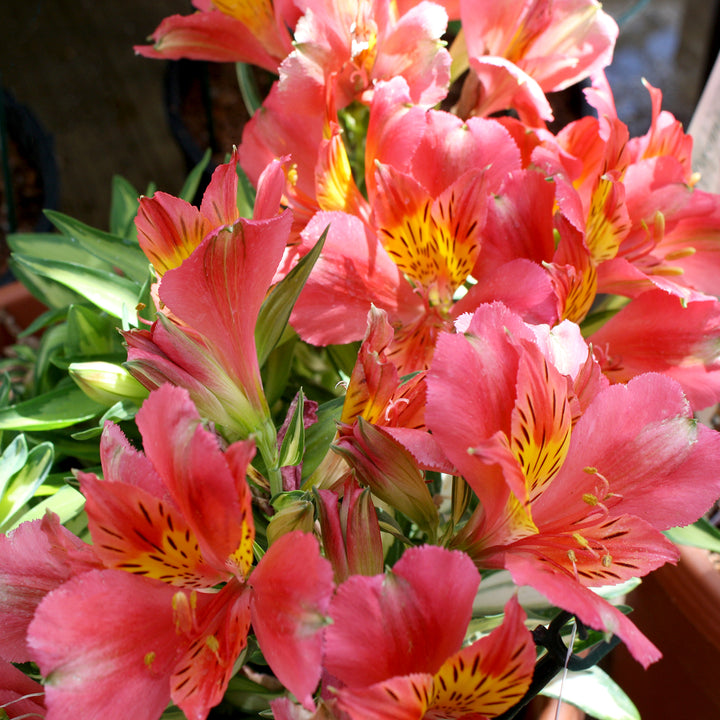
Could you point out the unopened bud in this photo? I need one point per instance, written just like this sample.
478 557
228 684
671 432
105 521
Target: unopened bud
295 515
106 383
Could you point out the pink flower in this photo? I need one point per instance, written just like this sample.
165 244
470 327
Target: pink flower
170 527
521 49
204 338
405 657
430 179
344 49
227 31
567 501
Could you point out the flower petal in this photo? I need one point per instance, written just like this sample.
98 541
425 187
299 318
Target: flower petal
292 585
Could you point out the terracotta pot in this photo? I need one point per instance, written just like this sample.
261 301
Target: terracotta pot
678 608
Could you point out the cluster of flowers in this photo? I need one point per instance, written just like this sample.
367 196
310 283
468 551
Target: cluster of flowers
463 251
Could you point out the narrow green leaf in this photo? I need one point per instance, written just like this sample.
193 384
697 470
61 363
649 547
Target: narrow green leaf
50 352
701 534
112 293
59 408
293 444
192 182
117 251
123 208
4 389
13 458
120 412
47 291
245 194
26 481
276 309
91 334
248 87
67 502
596 693
319 436
55 246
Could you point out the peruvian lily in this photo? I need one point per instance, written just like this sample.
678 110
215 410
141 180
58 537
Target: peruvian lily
227 31
651 237
432 179
350 531
209 300
344 49
172 529
406 658
567 501
377 399
519 50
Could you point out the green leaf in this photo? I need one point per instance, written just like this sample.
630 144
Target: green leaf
52 347
192 182
67 502
117 251
119 412
293 444
319 436
123 209
54 246
47 291
276 309
596 693
701 534
59 408
110 292
91 334
245 193
12 459
20 487
248 87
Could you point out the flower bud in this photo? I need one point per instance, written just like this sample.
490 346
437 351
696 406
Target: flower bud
296 513
107 383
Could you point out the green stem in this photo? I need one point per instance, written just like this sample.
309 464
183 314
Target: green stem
266 442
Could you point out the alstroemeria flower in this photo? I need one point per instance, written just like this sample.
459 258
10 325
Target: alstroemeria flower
227 31
519 50
147 623
433 178
567 503
210 299
348 47
406 658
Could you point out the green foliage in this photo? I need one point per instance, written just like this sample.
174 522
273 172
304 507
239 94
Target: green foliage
22 471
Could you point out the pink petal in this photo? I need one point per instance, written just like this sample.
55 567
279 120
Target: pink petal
91 645
230 274
398 698
203 671
397 624
565 592
169 229
292 585
643 441
214 500
655 333
504 85
35 558
20 696
210 36
353 273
